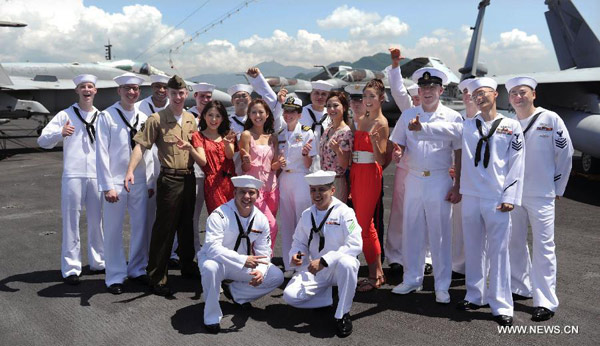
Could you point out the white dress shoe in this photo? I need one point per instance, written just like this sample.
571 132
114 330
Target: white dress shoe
442 297
406 289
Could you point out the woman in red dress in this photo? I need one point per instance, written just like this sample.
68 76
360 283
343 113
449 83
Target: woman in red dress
212 148
368 157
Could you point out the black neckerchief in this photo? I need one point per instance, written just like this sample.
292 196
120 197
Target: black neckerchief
237 121
318 230
486 155
243 234
89 127
151 108
537 115
132 129
315 122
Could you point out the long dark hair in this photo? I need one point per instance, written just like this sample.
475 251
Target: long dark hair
268 127
225 124
343 100
376 84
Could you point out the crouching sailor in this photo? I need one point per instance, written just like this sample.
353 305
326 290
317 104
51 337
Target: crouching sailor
237 247
326 242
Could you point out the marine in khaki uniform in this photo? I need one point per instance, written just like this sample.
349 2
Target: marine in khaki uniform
175 186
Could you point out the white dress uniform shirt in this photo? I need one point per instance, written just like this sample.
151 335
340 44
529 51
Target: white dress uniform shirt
262 87
343 242
483 189
547 168
79 188
398 90
113 146
294 195
219 261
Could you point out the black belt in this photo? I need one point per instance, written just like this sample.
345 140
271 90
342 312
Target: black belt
179 172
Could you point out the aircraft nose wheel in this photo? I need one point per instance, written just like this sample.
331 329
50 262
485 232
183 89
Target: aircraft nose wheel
589 164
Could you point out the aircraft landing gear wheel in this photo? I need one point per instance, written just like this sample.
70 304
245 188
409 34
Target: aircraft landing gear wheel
589 164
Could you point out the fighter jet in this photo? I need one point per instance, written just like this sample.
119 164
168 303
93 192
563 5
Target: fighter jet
574 91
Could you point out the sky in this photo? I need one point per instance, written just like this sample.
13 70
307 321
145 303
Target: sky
301 33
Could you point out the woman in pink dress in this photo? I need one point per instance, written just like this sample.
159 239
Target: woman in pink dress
212 148
261 159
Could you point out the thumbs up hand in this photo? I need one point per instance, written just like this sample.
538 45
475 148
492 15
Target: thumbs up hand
415 125
68 129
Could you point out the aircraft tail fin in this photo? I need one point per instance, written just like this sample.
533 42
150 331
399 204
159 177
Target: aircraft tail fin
4 78
471 69
574 42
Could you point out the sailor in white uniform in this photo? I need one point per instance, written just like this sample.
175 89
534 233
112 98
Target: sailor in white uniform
240 97
491 185
117 125
429 189
150 105
296 144
202 95
76 128
326 243
315 116
547 168
237 248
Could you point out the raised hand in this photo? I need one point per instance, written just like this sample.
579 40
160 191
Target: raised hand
415 124
253 72
244 156
230 137
306 148
374 133
254 261
68 129
282 95
395 55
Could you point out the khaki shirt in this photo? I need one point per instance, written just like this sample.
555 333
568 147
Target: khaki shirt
160 129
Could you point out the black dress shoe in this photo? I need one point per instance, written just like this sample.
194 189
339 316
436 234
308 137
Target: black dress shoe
344 326
72 280
519 297
192 274
457 275
142 279
97 271
465 305
173 263
161 290
396 268
504 320
213 328
541 314
428 269
246 306
115 288
226 291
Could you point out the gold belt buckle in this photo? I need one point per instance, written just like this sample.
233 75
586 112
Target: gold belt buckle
426 173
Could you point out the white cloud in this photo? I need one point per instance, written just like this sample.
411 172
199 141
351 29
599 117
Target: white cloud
344 16
390 26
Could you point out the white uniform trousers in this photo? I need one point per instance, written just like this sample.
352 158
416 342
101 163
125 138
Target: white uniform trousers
117 267
538 279
294 198
213 273
458 243
426 212
393 242
75 194
307 291
481 221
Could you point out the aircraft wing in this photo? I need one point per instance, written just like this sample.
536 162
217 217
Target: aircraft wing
565 76
25 83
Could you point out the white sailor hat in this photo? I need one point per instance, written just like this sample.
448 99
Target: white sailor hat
239 87
246 181
516 81
320 178
413 90
83 78
159 78
354 90
128 78
464 83
429 75
480 83
292 103
321 85
203 87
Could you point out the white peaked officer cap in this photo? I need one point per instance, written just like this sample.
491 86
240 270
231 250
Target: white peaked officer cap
159 78
246 181
321 85
354 89
128 78
85 78
464 84
513 82
480 83
203 87
239 87
320 178
413 90
429 75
